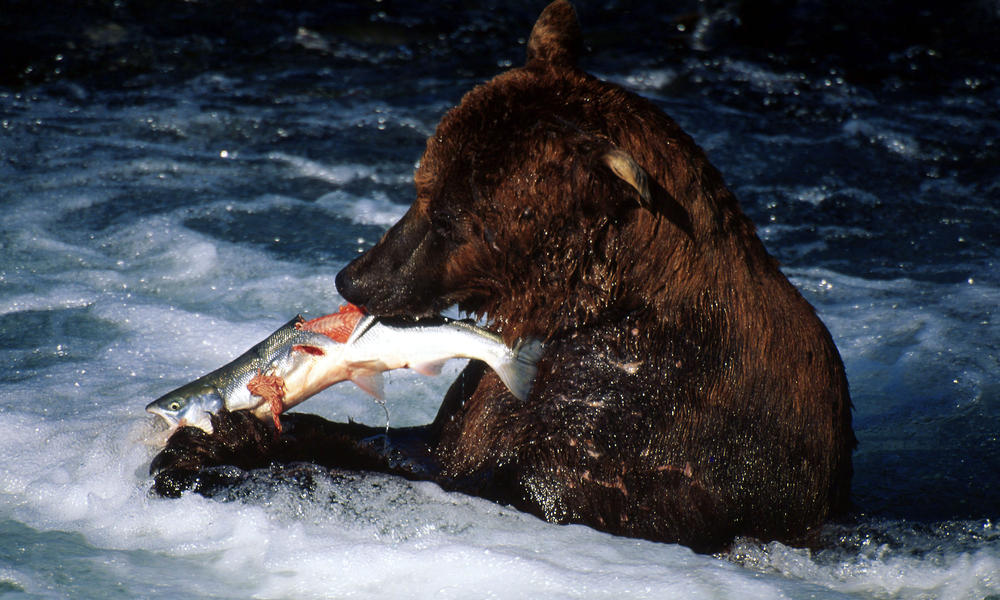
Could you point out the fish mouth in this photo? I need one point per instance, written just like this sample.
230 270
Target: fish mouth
172 423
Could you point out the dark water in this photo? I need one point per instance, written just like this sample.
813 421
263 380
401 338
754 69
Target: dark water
190 174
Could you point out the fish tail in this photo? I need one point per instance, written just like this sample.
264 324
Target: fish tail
518 374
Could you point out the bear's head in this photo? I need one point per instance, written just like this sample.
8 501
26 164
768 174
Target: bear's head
531 199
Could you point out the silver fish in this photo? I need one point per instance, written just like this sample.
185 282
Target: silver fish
315 361
297 362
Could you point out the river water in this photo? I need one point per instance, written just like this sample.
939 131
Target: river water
178 188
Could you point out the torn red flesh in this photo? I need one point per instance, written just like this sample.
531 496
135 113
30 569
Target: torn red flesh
272 389
308 350
337 326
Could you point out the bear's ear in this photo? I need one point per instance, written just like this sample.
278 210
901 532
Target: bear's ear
624 166
555 39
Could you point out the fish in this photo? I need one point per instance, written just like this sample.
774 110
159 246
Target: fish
225 387
302 358
359 347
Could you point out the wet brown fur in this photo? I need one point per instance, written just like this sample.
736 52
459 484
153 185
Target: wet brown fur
687 391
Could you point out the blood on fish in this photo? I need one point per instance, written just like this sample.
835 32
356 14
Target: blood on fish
337 326
272 389
308 350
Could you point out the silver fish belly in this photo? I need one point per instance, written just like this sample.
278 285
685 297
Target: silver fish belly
425 344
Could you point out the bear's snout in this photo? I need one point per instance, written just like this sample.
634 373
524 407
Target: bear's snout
401 274
348 289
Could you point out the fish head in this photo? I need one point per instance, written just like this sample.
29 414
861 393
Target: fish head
189 405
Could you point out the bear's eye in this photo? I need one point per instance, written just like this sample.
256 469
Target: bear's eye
445 224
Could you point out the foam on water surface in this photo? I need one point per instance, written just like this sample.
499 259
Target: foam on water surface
359 536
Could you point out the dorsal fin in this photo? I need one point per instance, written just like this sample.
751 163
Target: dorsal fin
555 39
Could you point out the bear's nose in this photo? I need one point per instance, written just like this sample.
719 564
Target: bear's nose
348 289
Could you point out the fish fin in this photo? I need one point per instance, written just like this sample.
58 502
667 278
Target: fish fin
277 407
203 422
518 374
428 368
370 381
272 389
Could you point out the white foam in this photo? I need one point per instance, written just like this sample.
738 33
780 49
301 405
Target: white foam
375 209
814 195
884 135
645 81
885 573
338 174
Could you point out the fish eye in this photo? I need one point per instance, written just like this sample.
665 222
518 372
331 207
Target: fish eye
175 405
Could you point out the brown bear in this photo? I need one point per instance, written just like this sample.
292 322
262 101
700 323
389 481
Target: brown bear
687 392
